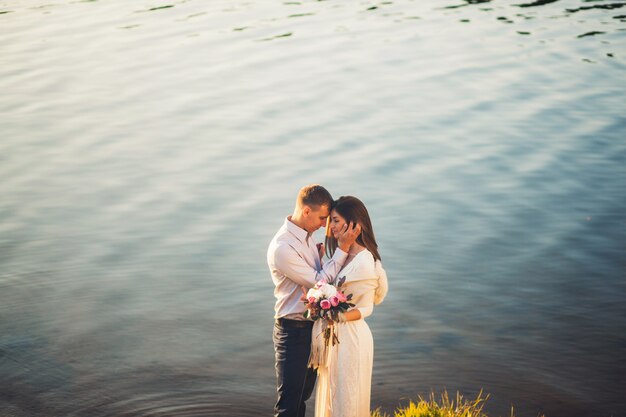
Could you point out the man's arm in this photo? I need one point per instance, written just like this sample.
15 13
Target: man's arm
290 263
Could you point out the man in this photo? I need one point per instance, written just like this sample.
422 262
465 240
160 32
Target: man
295 262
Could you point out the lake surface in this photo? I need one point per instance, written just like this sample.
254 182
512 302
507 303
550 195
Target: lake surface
149 150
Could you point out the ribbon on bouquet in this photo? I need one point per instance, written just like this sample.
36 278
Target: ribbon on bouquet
324 355
322 344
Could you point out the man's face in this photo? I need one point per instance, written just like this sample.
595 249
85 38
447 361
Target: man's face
314 219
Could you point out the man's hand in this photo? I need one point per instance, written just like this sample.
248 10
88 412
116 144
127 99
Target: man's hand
348 235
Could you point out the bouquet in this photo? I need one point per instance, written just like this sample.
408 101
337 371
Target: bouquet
325 301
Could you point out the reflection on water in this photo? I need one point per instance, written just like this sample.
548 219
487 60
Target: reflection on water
150 151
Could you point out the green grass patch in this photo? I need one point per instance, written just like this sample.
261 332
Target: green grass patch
444 407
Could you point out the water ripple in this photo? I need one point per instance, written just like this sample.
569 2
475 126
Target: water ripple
150 152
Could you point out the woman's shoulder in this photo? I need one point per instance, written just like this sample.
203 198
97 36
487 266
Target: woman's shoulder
366 261
367 255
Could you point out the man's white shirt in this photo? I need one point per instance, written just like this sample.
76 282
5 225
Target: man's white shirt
294 262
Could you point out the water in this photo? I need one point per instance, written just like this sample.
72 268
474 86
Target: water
150 150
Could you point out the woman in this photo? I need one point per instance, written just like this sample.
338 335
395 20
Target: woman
344 370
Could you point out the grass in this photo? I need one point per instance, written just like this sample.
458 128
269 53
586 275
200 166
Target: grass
445 407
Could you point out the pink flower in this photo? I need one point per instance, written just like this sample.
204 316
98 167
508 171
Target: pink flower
341 297
325 304
334 301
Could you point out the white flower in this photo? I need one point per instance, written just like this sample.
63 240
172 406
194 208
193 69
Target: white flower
328 290
315 293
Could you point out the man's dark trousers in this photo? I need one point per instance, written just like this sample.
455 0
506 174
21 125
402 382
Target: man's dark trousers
294 380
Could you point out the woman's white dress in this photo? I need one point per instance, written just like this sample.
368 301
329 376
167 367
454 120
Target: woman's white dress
344 374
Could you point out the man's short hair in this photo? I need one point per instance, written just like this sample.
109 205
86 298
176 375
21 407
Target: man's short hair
314 196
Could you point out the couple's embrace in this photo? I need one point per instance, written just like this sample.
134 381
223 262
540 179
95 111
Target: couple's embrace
344 374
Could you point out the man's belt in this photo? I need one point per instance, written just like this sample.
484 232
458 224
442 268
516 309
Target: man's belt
301 324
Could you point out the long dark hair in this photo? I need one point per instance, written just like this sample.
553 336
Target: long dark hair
353 210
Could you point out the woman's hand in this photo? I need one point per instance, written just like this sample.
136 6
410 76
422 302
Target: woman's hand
347 236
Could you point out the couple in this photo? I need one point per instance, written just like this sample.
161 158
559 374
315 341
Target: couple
344 375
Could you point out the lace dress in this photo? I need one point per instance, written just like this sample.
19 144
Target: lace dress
344 372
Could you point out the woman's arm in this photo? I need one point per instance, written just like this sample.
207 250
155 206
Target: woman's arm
365 305
357 313
351 315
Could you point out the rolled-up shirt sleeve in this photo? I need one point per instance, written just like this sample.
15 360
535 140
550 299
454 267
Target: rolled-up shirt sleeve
383 284
366 304
289 263
366 311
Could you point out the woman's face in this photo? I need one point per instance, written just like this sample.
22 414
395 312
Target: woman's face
336 223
